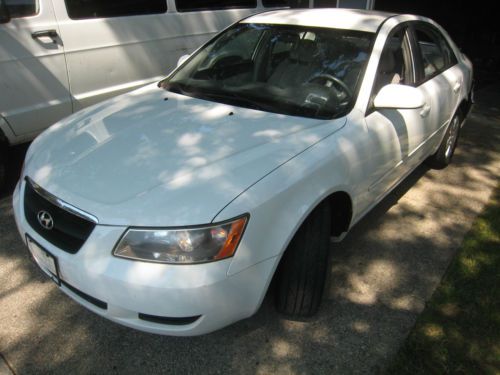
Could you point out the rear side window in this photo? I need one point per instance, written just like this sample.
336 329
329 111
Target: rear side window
436 53
83 9
22 8
192 5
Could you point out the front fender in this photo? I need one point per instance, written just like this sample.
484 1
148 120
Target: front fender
279 203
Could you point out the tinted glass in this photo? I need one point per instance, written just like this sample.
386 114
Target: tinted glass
325 4
21 8
354 4
436 53
81 9
276 3
191 5
392 68
301 71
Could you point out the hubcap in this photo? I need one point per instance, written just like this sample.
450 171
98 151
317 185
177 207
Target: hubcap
452 137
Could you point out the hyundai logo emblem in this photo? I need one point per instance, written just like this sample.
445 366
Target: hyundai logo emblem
45 219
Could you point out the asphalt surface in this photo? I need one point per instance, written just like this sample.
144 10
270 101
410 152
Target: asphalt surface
380 277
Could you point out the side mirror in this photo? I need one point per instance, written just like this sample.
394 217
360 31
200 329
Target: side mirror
399 97
181 59
4 12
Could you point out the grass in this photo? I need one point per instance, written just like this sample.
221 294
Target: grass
459 330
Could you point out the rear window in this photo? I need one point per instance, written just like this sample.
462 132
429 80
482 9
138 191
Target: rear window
192 5
84 9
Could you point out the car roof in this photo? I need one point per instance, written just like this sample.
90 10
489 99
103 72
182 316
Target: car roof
349 19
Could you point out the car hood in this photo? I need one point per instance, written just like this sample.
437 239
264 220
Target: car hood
141 160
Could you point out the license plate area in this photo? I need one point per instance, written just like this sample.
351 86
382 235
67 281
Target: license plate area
44 259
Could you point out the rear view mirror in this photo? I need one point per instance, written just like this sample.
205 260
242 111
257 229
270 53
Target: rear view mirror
181 59
4 12
399 97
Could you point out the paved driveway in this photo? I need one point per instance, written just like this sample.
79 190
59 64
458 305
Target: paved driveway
380 278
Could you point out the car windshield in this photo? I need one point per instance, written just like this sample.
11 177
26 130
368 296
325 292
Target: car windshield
293 70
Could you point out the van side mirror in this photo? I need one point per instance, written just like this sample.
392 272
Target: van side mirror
181 59
4 12
399 97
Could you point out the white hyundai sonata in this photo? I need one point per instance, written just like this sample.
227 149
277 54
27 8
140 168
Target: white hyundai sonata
171 208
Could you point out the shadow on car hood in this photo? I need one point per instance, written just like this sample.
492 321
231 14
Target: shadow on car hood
139 159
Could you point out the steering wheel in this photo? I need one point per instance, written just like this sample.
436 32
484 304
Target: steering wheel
338 82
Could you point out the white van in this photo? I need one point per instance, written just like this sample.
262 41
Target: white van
58 56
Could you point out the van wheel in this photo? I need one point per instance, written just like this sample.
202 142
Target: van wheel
302 270
2 173
446 149
3 155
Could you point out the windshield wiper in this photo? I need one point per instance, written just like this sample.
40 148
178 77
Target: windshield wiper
173 87
230 97
226 97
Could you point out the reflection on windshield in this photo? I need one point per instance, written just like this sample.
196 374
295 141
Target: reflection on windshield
294 70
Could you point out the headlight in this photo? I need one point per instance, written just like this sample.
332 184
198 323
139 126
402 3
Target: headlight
182 245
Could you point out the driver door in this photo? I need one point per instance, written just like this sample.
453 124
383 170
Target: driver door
395 133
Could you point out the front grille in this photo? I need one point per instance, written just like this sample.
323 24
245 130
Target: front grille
69 231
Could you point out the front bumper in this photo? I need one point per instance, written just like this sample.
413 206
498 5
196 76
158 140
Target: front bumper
131 292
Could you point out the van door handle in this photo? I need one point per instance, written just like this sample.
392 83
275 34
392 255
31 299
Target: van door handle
52 34
457 87
425 111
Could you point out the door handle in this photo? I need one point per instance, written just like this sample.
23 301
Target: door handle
52 34
425 110
457 87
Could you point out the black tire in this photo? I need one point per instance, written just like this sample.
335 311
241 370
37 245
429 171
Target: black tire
3 164
446 149
2 173
302 270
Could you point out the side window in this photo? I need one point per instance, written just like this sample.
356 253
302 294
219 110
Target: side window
192 5
394 65
437 55
83 9
22 8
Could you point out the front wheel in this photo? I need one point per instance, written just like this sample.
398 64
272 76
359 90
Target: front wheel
302 271
446 149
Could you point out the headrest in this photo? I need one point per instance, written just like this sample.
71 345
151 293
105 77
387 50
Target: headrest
387 62
305 51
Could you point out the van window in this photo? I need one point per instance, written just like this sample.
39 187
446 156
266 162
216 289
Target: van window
276 3
22 8
191 5
82 9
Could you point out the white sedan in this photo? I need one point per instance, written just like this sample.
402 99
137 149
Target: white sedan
170 209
